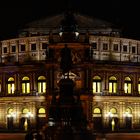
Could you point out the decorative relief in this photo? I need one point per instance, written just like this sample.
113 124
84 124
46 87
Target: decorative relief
76 57
22 41
13 41
5 43
43 39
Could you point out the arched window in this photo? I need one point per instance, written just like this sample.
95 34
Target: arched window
25 85
11 85
112 84
41 110
41 84
25 111
127 85
96 84
11 113
10 110
97 111
113 110
97 118
128 118
139 86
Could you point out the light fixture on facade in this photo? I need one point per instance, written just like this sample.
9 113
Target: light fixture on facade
11 114
29 114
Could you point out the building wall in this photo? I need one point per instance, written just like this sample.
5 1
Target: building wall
104 62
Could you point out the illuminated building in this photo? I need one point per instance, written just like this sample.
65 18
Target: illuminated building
105 70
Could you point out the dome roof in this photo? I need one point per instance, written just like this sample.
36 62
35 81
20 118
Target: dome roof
84 23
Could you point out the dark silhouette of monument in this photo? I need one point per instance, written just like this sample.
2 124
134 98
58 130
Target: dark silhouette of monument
66 120
66 59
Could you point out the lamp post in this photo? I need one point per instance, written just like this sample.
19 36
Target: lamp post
111 116
26 123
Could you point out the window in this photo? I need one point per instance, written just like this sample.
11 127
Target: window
44 46
112 85
105 46
115 47
139 86
11 85
127 85
33 47
113 111
5 50
25 111
94 45
25 85
13 48
10 111
42 110
41 84
124 48
96 85
133 49
22 47
97 111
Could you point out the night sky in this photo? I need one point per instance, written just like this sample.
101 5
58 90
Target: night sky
14 15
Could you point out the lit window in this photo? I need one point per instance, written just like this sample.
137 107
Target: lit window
112 85
11 85
97 111
10 110
113 110
25 110
41 84
25 85
139 86
96 85
127 85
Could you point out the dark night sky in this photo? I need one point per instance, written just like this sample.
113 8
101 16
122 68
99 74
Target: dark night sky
124 13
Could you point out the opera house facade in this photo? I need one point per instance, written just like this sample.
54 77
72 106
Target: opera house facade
106 72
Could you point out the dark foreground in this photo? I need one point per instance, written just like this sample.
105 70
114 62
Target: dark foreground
108 136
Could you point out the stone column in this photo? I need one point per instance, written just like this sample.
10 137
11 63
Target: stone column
121 116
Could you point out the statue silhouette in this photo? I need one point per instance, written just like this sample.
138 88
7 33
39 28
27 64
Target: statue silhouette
66 59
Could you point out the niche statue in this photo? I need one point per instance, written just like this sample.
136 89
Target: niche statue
66 59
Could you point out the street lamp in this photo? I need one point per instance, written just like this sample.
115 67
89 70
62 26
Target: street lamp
111 115
28 115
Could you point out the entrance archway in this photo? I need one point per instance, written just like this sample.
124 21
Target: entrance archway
97 119
10 118
25 123
128 118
